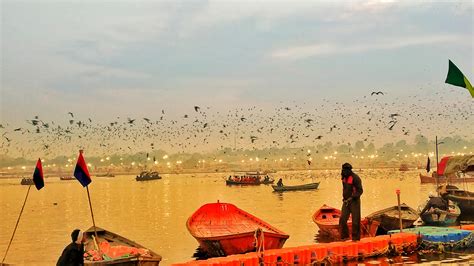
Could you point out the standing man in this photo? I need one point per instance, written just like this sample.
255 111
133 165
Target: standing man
351 191
73 254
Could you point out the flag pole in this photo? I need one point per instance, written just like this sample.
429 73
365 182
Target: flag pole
437 165
92 213
17 222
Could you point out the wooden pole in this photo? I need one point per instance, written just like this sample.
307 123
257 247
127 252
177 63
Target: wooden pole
92 214
437 165
17 222
399 210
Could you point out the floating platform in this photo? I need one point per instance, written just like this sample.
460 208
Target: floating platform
334 252
438 234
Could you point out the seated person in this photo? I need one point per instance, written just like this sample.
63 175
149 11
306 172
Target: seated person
280 182
435 203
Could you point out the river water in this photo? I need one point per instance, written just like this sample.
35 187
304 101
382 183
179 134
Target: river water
154 213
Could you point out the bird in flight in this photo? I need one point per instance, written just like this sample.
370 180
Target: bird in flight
196 108
376 92
72 115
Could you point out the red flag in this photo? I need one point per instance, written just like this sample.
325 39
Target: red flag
38 175
81 173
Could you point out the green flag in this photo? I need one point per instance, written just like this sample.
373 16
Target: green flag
456 77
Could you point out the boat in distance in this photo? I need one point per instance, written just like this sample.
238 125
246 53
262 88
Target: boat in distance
250 178
222 229
116 250
146 176
27 181
309 186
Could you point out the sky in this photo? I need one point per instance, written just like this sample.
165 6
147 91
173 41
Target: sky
108 59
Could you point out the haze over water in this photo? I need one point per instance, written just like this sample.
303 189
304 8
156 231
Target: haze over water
154 213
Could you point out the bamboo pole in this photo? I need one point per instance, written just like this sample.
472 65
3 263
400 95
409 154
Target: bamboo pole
399 210
17 222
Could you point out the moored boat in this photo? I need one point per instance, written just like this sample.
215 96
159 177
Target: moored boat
445 179
116 249
146 176
223 229
389 220
309 186
70 177
452 169
327 219
438 217
464 199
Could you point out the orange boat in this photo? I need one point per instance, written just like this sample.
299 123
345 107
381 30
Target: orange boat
223 229
327 219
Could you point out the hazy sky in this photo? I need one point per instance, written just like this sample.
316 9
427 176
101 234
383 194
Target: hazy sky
104 59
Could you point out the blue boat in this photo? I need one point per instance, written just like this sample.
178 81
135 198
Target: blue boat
437 217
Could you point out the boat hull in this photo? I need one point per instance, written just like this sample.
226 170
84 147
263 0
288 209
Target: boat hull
464 200
295 188
439 217
151 259
443 180
239 244
248 183
327 219
222 229
389 220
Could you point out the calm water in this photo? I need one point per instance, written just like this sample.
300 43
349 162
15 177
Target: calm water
154 213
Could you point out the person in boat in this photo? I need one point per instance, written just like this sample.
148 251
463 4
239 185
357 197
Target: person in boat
280 182
73 254
266 178
351 192
435 203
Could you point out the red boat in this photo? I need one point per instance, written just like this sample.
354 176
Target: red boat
327 219
443 179
448 169
223 229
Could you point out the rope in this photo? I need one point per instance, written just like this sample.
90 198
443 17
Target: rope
259 244
17 222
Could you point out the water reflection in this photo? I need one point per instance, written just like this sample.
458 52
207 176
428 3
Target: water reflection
154 213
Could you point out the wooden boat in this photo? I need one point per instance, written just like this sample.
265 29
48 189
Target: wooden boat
117 250
389 220
437 217
223 229
146 176
464 199
67 177
443 179
105 175
250 178
27 181
294 188
403 167
327 219
452 169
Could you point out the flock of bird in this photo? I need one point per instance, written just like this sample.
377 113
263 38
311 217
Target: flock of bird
374 117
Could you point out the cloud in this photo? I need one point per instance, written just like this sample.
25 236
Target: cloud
328 48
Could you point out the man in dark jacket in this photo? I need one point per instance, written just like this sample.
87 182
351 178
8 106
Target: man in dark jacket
351 192
73 254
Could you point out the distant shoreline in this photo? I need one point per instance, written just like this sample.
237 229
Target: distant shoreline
19 175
